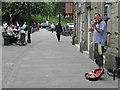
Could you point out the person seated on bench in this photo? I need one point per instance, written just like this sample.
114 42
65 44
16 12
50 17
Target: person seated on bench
5 25
11 34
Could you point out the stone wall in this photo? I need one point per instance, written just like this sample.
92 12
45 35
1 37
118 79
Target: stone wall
113 29
84 30
0 13
114 35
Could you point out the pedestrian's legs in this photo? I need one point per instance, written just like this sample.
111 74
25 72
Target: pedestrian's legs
14 39
58 37
52 30
98 58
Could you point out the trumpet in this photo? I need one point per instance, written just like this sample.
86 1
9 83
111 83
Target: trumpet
97 21
91 26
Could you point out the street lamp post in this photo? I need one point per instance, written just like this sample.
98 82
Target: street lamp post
28 21
59 13
59 18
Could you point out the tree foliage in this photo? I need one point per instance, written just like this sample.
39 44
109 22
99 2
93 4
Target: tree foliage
41 8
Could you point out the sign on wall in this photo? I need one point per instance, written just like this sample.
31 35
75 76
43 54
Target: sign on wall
68 7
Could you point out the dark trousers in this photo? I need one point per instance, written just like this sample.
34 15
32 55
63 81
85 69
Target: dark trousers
58 36
12 39
98 58
52 30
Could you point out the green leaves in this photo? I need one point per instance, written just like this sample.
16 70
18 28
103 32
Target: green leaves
42 8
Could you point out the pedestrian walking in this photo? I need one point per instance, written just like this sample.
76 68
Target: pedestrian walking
99 38
38 25
58 31
52 27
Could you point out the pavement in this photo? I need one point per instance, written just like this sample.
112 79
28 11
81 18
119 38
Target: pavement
47 63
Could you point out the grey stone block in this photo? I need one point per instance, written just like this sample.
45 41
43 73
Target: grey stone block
119 30
109 26
119 18
109 11
113 36
110 62
91 51
116 42
112 45
119 45
116 25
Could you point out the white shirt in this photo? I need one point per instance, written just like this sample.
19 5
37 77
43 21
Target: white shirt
97 38
10 31
52 26
5 25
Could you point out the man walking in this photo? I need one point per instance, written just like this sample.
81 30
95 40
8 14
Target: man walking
52 27
58 31
99 38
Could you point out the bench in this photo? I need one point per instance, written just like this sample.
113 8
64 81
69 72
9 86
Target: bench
7 38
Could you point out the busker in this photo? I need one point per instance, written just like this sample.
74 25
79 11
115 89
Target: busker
99 38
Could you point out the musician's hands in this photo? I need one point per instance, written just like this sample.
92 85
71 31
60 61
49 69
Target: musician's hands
90 28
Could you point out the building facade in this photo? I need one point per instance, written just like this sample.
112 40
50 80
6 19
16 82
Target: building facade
83 16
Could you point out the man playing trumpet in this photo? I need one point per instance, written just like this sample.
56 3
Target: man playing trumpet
99 37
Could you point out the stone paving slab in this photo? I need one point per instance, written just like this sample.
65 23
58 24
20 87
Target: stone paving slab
47 63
